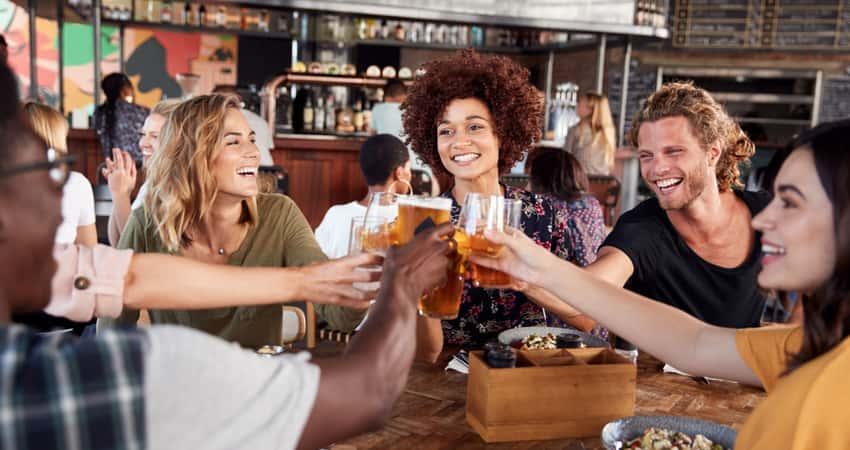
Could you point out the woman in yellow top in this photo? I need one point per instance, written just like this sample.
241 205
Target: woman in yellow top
592 140
806 245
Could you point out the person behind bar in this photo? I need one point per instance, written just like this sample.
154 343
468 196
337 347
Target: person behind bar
385 164
473 116
173 387
592 139
118 120
692 246
120 171
805 246
208 208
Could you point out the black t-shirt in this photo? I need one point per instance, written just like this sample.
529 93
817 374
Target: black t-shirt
667 270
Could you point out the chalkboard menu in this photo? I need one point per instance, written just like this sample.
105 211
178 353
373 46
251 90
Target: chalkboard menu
762 24
642 83
836 99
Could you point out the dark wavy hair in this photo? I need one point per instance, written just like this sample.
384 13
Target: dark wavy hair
559 174
516 105
709 122
112 86
827 310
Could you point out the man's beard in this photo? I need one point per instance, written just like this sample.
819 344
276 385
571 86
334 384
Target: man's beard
693 185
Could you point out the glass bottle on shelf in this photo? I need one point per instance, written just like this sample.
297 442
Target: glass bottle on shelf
186 17
415 33
308 113
149 10
357 120
243 19
330 114
399 33
165 13
202 16
429 33
221 17
284 110
319 114
385 30
263 21
367 117
374 28
362 29
477 36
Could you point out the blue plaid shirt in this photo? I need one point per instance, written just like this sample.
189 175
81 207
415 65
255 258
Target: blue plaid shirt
61 392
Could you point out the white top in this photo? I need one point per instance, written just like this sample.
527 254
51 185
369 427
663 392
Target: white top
386 119
140 197
203 392
77 208
263 136
334 232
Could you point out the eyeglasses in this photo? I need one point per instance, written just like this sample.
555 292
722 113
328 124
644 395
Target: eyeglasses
58 167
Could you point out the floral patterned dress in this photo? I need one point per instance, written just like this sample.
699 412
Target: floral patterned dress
586 232
484 313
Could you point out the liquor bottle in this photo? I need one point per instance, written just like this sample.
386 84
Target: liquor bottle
308 113
429 33
399 33
263 22
319 115
367 118
362 29
284 110
243 19
221 17
385 30
358 116
149 10
165 13
186 18
202 16
330 114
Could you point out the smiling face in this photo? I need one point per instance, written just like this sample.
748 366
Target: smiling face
798 232
673 163
149 136
236 159
466 140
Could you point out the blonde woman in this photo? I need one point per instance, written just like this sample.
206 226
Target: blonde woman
207 208
77 197
120 170
592 140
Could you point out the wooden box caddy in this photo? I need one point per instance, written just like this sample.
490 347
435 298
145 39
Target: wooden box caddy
551 394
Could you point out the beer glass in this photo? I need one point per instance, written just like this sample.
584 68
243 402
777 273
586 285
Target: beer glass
481 213
369 235
416 214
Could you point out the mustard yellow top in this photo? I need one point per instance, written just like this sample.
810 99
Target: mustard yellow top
807 409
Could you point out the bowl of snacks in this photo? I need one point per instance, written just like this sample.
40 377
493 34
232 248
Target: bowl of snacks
666 432
271 350
547 338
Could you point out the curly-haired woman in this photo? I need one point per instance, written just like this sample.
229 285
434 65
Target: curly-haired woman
207 207
473 116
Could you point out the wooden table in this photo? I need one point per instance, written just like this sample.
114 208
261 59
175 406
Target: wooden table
431 413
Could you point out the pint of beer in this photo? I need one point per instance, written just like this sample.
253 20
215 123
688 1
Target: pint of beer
417 214
481 213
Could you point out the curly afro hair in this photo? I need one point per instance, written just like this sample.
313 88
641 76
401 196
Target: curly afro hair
500 83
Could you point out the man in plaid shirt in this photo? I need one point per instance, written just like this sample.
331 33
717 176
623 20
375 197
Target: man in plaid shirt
171 387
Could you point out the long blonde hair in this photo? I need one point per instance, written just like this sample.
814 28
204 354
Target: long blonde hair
600 123
48 124
182 187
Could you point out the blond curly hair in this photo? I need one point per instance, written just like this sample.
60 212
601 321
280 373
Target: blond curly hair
709 122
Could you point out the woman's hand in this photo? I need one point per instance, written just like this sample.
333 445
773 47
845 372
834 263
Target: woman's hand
332 282
120 173
520 257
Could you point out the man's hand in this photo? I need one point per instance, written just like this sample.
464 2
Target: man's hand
419 266
520 257
332 282
120 173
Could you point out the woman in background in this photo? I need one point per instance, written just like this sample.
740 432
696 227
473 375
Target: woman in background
592 140
118 121
78 217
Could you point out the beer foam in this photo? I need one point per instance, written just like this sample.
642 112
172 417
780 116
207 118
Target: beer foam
427 202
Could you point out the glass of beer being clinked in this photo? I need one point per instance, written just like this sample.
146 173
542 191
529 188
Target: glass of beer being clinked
479 214
416 214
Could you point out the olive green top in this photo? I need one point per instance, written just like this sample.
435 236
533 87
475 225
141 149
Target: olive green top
281 238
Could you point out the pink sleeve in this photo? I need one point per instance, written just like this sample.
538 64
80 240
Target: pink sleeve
89 282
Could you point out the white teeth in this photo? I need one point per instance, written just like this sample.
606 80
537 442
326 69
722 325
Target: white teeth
663 184
768 249
246 171
466 157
